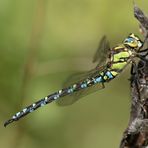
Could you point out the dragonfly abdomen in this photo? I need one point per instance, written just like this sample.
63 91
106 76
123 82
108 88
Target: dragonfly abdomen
100 78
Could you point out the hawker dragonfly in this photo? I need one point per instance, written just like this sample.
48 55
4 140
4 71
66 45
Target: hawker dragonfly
111 63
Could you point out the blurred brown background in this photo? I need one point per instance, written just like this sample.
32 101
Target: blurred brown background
41 43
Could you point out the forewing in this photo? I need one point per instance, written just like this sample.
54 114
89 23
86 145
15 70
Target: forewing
102 52
100 57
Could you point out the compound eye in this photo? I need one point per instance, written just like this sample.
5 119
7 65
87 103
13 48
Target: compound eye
130 40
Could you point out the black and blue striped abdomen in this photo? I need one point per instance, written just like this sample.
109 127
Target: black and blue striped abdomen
99 79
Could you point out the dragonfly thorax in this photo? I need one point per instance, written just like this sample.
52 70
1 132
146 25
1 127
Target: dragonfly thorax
121 55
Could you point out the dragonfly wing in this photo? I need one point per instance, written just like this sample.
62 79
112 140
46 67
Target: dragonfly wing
103 51
71 98
100 57
81 76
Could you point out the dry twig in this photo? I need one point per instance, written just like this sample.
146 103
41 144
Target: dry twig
136 134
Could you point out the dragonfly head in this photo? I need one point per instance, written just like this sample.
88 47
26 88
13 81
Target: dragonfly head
133 42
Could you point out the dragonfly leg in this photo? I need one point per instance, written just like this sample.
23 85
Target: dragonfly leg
135 77
134 71
103 86
133 68
143 55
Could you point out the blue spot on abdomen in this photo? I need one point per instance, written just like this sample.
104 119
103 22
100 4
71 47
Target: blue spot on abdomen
109 74
98 79
83 85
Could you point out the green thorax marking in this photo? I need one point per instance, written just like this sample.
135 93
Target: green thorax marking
120 57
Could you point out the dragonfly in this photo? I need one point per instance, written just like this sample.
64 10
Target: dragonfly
111 62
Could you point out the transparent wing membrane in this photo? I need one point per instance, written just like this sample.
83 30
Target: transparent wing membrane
100 57
103 51
72 98
80 77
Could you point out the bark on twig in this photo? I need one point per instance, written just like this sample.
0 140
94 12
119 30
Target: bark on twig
136 134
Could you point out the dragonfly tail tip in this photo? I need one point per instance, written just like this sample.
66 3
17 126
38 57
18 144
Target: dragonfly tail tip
8 122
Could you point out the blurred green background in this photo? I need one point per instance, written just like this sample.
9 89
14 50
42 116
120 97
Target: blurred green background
42 42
